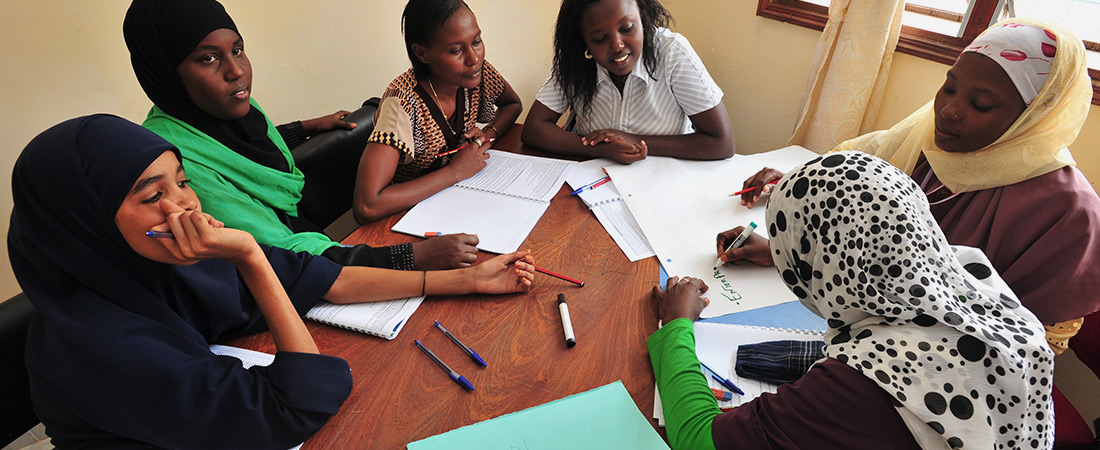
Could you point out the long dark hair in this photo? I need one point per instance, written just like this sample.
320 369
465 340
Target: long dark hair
577 75
420 21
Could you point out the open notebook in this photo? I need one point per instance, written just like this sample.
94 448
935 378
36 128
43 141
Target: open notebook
501 203
716 346
382 319
609 208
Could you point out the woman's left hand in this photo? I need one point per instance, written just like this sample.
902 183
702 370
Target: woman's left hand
503 274
682 297
607 135
328 122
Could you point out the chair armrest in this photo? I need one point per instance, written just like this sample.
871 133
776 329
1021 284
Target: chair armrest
330 161
16 414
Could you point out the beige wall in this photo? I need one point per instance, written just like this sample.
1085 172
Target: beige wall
61 59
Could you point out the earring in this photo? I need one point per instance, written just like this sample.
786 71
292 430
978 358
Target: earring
587 55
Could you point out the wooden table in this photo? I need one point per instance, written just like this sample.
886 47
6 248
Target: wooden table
400 395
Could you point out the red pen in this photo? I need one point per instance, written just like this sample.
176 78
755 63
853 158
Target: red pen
752 188
451 152
558 275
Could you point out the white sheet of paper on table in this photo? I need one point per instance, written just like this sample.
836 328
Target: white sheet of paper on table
682 205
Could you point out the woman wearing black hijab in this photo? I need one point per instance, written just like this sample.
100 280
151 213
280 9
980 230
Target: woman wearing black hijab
190 60
118 352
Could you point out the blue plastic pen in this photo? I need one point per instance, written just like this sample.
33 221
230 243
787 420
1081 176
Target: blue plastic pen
591 185
450 372
160 234
725 382
469 351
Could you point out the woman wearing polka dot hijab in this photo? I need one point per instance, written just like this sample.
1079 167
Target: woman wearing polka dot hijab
991 153
926 347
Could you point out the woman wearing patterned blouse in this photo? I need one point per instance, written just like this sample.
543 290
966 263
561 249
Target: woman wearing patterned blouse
431 110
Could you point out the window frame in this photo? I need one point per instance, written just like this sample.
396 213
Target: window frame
913 41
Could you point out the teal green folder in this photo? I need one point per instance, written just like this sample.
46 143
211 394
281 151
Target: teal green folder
602 418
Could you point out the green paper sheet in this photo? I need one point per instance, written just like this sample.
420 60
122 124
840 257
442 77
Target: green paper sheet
602 418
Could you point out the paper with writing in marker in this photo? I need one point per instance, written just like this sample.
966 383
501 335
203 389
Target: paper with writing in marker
681 207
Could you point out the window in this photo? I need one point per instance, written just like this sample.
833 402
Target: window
938 30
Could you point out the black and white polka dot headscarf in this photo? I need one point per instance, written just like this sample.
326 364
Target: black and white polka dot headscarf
932 324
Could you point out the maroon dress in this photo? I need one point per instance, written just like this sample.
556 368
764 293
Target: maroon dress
1042 235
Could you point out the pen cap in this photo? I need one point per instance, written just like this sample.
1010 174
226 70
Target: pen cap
561 298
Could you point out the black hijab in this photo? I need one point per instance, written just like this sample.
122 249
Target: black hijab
80 274
160 34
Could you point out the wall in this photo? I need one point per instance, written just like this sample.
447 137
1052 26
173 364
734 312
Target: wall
63 59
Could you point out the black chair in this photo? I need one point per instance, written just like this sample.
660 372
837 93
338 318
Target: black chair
330 162
17 416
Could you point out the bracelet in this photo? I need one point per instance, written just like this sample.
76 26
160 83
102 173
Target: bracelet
423 283
495 130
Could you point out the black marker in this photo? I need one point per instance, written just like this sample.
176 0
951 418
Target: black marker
570 341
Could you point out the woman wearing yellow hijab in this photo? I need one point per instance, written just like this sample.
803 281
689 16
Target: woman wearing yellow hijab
991 154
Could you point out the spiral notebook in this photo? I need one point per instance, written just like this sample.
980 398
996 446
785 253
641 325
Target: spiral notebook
382 319
716 346
609 208
501 203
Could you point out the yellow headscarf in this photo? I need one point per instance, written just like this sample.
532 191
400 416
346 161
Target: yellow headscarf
1034 145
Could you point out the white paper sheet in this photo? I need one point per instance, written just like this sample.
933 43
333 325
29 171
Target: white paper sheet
501 203
520 175
501 223
682 205
624 230
608 207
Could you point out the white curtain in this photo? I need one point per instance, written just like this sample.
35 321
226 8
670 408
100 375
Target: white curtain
849 71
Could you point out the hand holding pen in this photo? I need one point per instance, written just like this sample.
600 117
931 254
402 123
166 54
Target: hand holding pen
757 185
754 248
467 160
735 243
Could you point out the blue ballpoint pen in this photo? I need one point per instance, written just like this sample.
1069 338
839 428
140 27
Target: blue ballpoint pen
725 382
160 234
469 351
450 372
591 185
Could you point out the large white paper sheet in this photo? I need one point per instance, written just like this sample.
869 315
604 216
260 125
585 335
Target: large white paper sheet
682 205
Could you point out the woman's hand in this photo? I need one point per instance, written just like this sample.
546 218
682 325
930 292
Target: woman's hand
326 123
197 235
682 297
621 147
756 249
469 160
477 136
607 135
451 251
760 181
503 274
